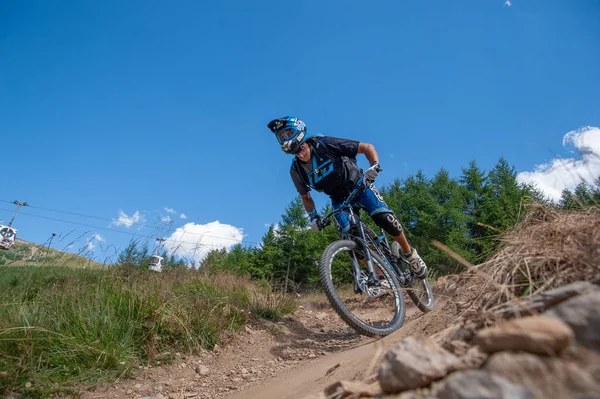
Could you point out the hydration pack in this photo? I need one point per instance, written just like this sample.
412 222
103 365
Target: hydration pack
334 175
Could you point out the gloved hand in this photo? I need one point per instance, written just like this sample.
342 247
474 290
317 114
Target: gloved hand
315 220
372 172
316 224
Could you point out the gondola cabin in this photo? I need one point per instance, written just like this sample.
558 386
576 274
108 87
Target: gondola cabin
156 263
7 237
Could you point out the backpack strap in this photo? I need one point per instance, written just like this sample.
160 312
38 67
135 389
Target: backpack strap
296 162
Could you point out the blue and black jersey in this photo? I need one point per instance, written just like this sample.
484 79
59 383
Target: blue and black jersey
332 167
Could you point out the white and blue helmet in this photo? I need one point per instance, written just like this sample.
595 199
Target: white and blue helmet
290 133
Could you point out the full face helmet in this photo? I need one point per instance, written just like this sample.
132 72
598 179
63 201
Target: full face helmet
290 132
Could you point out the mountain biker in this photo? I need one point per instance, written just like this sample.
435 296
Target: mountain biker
328 164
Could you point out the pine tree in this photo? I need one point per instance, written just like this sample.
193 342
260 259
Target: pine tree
473 182
129 255
451 227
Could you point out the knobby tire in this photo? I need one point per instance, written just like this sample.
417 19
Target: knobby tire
338 305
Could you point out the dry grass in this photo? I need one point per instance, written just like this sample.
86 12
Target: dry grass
550 248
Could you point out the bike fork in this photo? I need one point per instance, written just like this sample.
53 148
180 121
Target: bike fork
373 279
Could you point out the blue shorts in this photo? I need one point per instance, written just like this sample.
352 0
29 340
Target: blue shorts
370 200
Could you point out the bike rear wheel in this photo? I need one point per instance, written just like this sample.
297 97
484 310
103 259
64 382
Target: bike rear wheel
419 290
376 310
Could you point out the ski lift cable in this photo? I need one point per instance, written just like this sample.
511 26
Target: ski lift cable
82 215
112 220
120 231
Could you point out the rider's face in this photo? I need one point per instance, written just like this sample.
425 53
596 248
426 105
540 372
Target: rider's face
304 152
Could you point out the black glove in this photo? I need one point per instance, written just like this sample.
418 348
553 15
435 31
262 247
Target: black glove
315 220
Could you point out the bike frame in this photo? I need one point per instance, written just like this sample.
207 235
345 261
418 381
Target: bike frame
381 244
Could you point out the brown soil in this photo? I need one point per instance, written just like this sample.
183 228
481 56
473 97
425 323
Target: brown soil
292 358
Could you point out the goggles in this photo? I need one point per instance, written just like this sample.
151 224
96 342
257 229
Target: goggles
285 134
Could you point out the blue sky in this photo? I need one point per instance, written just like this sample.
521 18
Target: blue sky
123 108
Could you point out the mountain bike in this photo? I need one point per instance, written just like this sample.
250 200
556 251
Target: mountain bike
363 276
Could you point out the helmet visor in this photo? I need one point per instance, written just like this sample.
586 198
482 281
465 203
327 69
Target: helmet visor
285 134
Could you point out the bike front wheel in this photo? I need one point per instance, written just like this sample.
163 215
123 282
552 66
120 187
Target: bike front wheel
372 309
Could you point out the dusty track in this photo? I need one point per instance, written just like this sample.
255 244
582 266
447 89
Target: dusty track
293 358
358 363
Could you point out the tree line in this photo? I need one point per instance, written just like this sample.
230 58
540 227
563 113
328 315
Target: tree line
465 213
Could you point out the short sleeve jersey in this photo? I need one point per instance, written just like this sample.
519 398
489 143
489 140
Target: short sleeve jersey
326 170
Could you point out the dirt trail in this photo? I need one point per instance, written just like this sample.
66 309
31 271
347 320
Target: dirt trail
301 355
292 358
358 363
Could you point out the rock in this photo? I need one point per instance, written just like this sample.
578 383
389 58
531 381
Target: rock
414 362
534 334
546 377
202 370
474 358
479 384
457 332
353 389
459 348
540 302
582 314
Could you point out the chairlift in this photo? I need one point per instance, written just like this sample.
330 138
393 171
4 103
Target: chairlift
156 260
156 263
7 237
9 233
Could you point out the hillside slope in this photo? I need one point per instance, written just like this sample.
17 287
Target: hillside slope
25 253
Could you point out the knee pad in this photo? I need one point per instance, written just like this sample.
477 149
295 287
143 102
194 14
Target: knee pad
388 222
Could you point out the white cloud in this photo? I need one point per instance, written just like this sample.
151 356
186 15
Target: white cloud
508 3
170 210
193 241
165 219
90 246
126 220
182 216
97 237
553 177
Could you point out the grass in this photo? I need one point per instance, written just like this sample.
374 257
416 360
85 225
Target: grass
25 253
550 248
60 326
